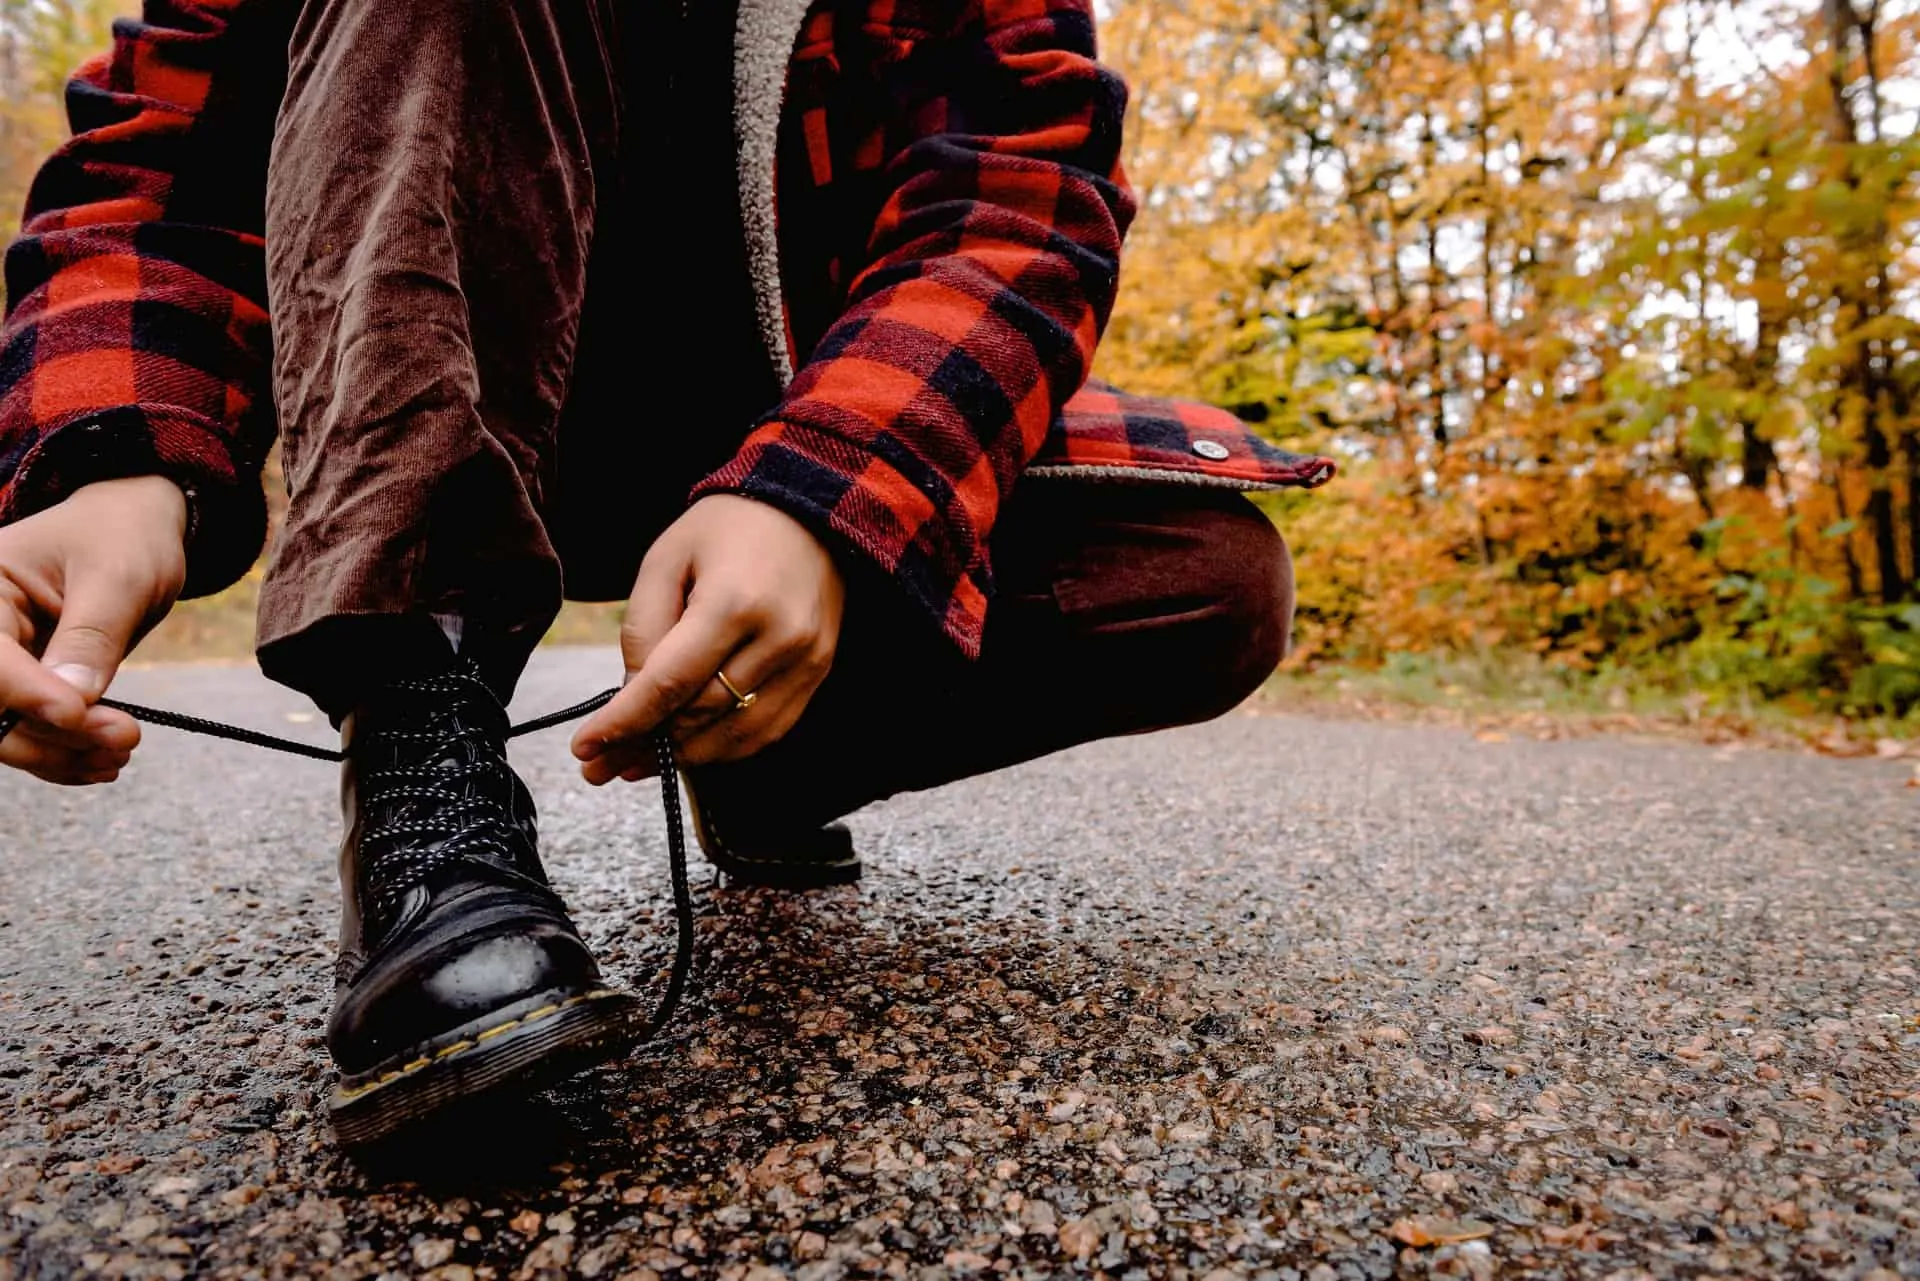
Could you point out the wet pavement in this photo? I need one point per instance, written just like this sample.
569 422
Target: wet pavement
1271 997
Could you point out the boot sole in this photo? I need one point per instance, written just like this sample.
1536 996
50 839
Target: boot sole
518 1050
767 873
779 874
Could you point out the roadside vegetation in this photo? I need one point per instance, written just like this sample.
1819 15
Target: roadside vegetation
1607 308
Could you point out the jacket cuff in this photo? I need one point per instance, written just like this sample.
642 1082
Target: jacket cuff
226 510
854 500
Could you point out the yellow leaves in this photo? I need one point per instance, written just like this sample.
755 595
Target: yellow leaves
1549 308
40 44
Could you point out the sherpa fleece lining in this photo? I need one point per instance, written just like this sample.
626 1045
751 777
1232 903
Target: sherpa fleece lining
765 32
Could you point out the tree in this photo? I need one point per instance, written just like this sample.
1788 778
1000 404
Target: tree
41 43
1605 303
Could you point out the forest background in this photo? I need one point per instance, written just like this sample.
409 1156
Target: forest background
1607 307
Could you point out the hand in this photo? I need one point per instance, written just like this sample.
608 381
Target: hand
734 585
79 583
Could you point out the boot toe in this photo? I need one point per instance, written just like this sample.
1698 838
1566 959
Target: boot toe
404 1005
495 972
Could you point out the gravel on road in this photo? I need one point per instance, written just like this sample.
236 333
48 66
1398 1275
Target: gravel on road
1266 998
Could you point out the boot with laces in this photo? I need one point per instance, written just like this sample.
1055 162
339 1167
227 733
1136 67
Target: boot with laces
773 854
460 973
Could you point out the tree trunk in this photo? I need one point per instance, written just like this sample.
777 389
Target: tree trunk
1910 447
1757 458
1867 368
1856 588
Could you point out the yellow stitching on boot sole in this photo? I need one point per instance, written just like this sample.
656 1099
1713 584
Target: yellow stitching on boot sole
344 1096
528 1017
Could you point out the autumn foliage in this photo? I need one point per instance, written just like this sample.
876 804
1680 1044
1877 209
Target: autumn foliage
1608 306
41 42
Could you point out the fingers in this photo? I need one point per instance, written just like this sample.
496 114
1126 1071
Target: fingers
786 667
740 734
672 675
102 729
657 605
780 666
659 599
99 617
26 685
98 567
634 758
34 748
62 739
728 736
731 582
733 734
751 669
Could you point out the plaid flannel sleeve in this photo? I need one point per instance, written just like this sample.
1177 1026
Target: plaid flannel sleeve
991 272
136 339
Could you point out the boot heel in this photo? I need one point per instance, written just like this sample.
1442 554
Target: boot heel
812 860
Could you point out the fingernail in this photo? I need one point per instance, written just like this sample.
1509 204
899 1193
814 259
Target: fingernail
84 679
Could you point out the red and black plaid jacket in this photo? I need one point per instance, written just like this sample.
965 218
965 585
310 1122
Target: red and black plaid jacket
937 346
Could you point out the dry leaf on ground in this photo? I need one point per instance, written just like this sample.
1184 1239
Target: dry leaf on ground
1427 1229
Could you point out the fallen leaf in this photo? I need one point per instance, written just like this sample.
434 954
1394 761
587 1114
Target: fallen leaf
1079 1237
1426 1229
432 1253
1837 742
554 1252
1490 736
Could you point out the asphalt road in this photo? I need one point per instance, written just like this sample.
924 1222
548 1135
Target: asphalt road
1263 998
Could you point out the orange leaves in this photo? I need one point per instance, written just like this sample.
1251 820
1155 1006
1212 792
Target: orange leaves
1622 357
1426 1230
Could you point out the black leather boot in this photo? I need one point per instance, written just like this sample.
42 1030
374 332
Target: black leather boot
460 973
768 851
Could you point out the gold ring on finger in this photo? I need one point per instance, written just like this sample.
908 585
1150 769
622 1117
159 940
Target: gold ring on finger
741 702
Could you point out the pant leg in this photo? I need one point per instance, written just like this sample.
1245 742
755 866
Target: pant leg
430 210
633 441
1118 610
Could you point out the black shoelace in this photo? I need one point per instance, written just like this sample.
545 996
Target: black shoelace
669 802
445 795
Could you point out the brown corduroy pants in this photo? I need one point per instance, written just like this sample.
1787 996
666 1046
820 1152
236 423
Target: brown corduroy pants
460 320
